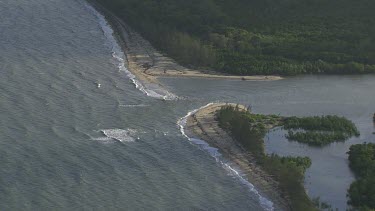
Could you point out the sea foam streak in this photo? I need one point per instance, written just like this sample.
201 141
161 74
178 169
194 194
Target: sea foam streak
214 152
134 106
128 135
152 90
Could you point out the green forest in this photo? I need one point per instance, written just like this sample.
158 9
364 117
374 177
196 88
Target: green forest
252 37
362 162
319 130
249 130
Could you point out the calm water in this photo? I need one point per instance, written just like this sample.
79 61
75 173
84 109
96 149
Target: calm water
351 96
67 142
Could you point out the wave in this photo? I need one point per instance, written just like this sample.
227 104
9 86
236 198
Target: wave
104 140
134 106
164 133
214 152
151 90
127 135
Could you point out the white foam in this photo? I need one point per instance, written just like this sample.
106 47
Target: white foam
134 106
214 152
105 140
127 135
120 57
165 133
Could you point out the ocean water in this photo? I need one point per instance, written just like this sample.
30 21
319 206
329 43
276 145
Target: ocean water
78 131
329 176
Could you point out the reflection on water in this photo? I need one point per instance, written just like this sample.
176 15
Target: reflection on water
351 96
67 142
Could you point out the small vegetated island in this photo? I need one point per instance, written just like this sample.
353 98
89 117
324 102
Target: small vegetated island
319 130
314 131
249 130
362 161
258 37
244 145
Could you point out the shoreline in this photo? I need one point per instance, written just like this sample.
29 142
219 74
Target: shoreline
148 64
201 124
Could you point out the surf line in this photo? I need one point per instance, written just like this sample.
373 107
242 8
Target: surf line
120 58
214 152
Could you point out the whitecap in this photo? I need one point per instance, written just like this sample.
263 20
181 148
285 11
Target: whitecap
122 135
158 132
214 152
98 85
133 106
151 90
105 140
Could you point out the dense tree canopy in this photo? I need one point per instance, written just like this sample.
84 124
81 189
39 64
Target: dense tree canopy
320 130
249 130
362 162
259 36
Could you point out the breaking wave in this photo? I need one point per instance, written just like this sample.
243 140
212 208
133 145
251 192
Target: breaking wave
214 152
134 106
122 135
151 90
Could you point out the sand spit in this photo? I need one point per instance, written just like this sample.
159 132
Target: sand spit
148 64
203 125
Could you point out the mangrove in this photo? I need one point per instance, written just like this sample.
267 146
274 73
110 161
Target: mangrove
249 130
258 37
362 161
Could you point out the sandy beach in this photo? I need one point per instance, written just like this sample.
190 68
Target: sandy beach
203 125
147 64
